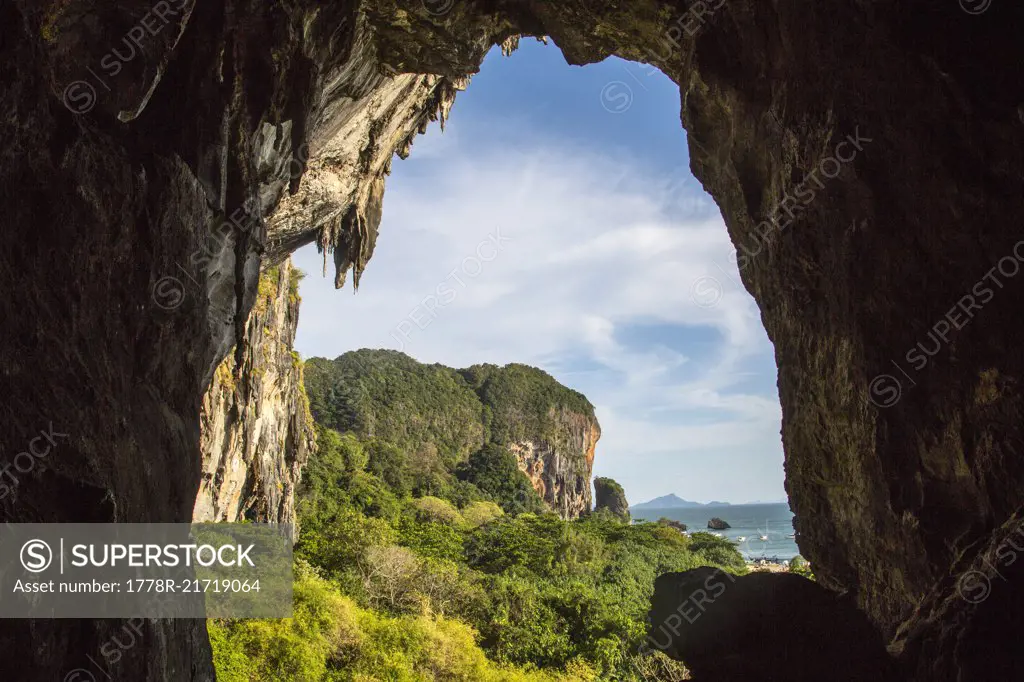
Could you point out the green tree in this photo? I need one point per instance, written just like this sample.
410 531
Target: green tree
337 542
527 541
429 539
390 464
477 514
436 510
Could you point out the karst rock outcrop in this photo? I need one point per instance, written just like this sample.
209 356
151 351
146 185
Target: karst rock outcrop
868 158
559 467
716 523
256 428
609 495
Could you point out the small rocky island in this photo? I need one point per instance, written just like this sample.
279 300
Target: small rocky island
609 495
718 524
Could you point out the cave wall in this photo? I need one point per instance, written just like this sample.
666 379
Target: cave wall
140 205
146 145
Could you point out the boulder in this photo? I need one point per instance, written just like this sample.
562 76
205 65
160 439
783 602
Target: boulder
764 626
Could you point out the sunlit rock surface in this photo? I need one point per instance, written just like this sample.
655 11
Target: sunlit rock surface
257 431
560 469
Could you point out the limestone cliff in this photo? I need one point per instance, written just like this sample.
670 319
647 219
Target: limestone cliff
560 468
550 429
256 427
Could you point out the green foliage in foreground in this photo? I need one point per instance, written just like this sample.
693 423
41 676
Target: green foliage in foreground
398 587
330 638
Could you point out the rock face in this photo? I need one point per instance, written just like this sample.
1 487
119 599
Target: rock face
550 429
774 626
560 469
609 495
256 427
871 177
718 524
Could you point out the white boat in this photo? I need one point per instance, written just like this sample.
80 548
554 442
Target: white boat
764 538
741 538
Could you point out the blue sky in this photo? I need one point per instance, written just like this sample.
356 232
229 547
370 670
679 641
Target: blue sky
555 222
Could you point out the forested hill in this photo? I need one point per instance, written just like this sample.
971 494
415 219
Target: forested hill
435 422
426 555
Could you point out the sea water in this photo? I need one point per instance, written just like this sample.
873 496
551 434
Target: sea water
749 521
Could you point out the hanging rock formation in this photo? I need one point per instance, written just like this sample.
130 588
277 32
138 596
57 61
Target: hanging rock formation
868 159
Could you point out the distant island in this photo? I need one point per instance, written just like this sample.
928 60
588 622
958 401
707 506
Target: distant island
673 501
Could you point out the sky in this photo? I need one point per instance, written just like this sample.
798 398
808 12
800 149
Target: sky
555 223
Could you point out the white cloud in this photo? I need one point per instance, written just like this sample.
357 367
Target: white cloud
590 247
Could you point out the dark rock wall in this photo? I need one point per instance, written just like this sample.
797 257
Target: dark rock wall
871 178
899 472
135 187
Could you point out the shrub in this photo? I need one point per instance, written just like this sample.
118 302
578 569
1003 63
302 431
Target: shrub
477 514
716 551
331 639
800 566
298 648
436 510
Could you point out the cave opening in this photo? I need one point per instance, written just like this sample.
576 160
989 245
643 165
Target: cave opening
555 222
